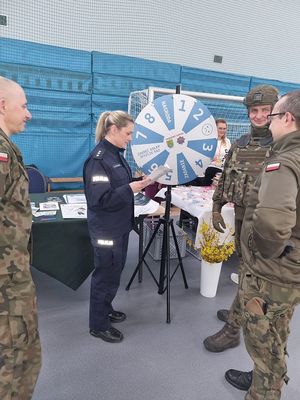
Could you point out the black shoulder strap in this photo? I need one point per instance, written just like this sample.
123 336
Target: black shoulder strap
98 154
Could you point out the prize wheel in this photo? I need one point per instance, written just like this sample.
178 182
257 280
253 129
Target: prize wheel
177 131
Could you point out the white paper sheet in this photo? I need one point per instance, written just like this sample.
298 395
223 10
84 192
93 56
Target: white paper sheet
75 198
49 206
73 210
158 172
43 213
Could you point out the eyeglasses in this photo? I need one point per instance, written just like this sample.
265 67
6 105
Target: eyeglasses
270 116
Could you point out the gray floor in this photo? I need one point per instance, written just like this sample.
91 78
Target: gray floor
156 361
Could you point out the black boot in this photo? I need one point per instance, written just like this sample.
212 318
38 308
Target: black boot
239 379
223 315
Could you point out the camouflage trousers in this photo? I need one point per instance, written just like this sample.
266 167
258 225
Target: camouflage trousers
20 352
235 317
266 313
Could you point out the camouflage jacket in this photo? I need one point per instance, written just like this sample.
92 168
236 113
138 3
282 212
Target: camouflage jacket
242 166
15 210
272 218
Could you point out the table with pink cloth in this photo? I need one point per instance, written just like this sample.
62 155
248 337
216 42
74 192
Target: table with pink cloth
197 200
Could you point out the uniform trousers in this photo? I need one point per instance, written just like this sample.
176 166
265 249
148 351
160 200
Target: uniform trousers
20 351
234 317
109 262
266 313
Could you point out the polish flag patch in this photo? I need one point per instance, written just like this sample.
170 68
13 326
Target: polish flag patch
272 167
3 157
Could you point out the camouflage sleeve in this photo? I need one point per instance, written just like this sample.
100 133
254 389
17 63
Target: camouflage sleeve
275 214
218 196
4 170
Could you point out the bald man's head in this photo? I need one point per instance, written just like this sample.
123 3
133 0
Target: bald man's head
13 107
7 87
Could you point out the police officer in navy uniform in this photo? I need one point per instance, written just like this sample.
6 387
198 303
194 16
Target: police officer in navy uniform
109 190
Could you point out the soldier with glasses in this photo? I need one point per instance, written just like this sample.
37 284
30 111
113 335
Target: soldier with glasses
243 164
269 286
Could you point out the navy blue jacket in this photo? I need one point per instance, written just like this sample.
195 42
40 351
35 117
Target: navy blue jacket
110 199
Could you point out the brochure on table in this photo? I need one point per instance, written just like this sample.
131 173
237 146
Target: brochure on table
75 198
73 210
75 206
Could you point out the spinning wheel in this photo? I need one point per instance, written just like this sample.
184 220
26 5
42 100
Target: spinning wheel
177 131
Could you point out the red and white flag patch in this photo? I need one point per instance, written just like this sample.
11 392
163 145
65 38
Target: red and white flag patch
3 157
272 167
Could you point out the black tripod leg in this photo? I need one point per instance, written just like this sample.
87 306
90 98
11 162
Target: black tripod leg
168 273
179 255
141 248
164 249
165 267
141 260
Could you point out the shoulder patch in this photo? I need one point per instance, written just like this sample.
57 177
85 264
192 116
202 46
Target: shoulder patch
3 157
272 167
99 154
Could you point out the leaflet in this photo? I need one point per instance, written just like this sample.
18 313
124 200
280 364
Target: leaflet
49 206
75 198
158 172
73 210
43 213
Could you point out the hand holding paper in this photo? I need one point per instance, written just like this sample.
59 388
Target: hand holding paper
158 172
137 186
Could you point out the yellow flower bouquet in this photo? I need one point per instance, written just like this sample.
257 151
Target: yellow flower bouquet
212 249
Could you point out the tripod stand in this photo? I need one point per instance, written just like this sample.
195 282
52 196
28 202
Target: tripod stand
165 272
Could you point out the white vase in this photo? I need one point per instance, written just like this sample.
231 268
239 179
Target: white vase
210 274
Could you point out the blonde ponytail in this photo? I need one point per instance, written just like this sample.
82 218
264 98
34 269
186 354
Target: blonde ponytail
100 128
109 118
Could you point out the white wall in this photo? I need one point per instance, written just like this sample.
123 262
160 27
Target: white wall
255 37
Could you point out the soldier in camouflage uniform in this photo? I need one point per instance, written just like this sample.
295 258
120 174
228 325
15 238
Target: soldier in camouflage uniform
20 353
242 166
270 242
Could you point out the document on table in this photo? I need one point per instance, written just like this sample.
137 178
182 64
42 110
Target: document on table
49 206
37 213
73 210
75 198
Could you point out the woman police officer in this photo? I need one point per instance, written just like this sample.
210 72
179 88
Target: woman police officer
109 190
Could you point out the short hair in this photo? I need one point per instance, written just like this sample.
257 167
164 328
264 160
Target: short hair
6 86
291 104
221 120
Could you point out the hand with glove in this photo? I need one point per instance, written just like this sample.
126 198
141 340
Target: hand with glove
217 219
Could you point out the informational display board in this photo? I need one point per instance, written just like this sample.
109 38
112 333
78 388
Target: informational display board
177 131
